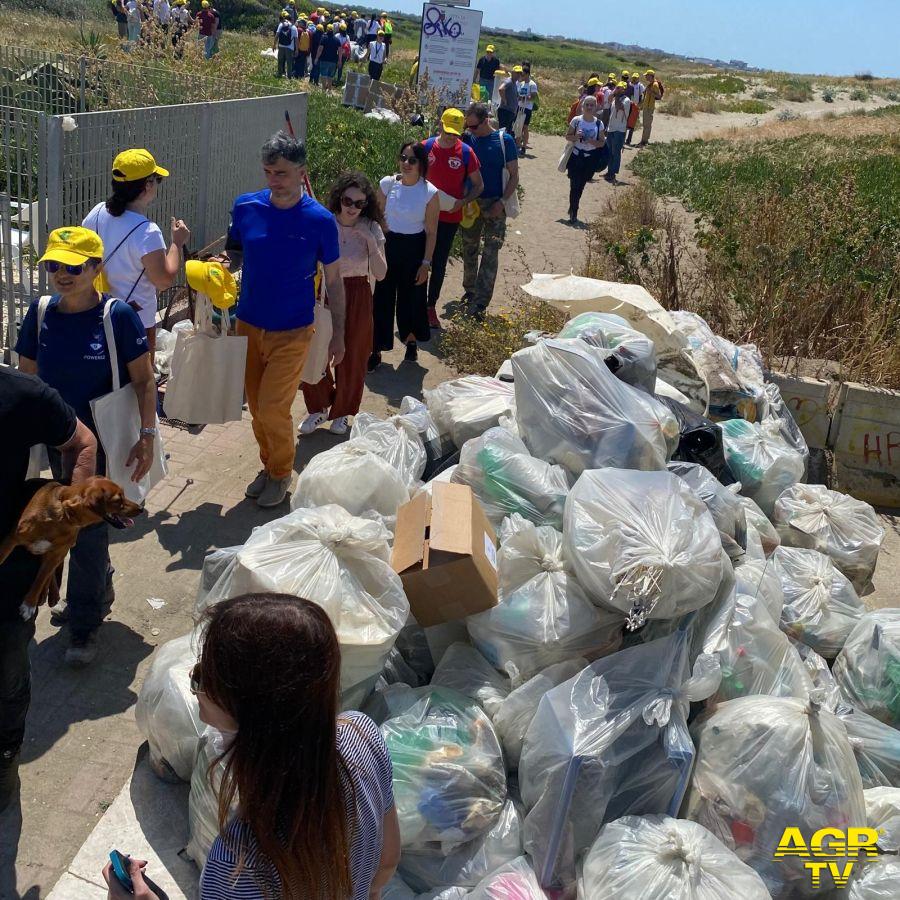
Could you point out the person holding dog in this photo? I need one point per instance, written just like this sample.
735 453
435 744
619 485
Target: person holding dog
63 342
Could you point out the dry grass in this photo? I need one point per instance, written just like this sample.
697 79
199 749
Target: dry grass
852 125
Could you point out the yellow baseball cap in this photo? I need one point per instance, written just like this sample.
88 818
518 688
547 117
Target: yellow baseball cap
379 32
130 165
205 4
612 76
649 72
517 69
622 84
214 280
490 47
330 27
343 27
593 82
285 14
320 27
453 121
73 245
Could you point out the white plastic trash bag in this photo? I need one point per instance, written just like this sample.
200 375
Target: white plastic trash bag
768 763
449 778
821 677
514 881
820 606
214 565
867 669
574 412
462 668
466 407
507 479
400 447
883 814
415 418
844 528
761 460
757 577
661 858
203 801
776 410
876 879
757 519
167 712
642 543
609 742
875 745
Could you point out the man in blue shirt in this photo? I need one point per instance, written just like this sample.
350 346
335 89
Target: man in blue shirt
497 153
280 236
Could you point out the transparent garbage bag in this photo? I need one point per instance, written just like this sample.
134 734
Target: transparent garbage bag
351 476
875 879
572 411
466 407
609 742
397 889
699 441
203 801
214 564
468 864
768 763
631 357
723 504
875 745
867 669
415 418
757 577
842 527
512 718
507 479
167 713
760 521
543 615
820 606
339 562
661 858
761 460
775 409
513 881
883 814
821 677
397 671
465 670
642 543
412 644
449 777
400 447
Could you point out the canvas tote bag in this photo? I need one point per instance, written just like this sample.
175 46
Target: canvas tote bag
512 204
317 355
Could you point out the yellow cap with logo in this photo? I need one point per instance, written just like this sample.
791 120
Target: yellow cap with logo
72 245
130 165
453 121
214 280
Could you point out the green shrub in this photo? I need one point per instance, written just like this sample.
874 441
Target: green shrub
787 115
859 95
893 96
762 93
754 107
794 88
864 76
828 95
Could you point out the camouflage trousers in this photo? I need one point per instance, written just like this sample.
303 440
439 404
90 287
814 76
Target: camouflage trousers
481 251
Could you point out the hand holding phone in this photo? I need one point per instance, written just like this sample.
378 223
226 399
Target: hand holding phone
125 878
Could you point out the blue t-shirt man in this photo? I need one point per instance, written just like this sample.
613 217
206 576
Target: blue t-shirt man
72 354
281 248
490 151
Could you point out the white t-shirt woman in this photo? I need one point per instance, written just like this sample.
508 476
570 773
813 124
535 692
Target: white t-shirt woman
585 132
404 208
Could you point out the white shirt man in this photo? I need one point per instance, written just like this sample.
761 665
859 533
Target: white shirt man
162 11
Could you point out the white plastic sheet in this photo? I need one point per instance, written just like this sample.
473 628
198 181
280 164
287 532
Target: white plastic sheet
661 858
768 763
513 881
400 447
463 669
642 543
466 407
844 528
507 479
574 412
543 616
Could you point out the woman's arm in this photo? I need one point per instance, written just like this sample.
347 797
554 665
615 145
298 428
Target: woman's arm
377 258
140 371
390 853
162 265
432 211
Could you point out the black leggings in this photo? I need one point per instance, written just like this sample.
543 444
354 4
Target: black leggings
580 168
446 231
398 294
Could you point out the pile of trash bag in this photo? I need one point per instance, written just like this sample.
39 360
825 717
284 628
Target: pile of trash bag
414 417
883 814
642 543
840 526
662 858
400 447
465 408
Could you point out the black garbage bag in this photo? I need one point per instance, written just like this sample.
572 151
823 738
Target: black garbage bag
700 441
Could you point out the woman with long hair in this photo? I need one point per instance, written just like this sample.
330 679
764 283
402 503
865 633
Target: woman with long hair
411 210
137 263
312 788
337 396
586 135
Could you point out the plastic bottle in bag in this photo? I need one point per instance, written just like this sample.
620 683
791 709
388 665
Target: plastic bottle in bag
513 881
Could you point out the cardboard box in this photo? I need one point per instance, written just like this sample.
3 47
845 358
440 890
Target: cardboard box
445 553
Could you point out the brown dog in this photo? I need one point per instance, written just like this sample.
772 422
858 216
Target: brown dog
49 526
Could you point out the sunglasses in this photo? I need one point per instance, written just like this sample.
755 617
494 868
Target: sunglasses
53 267
348 202
155 178
410 160
195 684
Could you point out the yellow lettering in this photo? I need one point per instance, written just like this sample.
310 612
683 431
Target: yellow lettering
792 843
862 839
835 848
840 877
815 869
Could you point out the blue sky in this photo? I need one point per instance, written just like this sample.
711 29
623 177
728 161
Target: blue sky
836 37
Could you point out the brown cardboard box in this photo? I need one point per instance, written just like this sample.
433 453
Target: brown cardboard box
445 554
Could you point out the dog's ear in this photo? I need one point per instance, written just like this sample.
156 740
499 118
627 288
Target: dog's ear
72 507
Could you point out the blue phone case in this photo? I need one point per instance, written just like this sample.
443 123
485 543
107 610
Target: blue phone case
119 864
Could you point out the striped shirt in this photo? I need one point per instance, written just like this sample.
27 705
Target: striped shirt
368 795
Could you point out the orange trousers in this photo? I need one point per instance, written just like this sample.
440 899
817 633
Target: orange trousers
274 363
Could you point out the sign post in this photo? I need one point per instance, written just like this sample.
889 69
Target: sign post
448 50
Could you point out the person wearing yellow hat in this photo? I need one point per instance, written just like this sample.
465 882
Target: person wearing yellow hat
209 22
344 53
317 35
528 97
304 42
485 69
635 93
377 56
619 111
327 56
284 43
653 91
291 10
509 99
387 26
181 16
137 263
72 340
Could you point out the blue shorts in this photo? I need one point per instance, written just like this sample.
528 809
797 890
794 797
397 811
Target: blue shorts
327 69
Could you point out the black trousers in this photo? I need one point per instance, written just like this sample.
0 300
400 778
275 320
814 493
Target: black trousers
375 70
15 682
580 167
300 64
506 118
397 294
446 231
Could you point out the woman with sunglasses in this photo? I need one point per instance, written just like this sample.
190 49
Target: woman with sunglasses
337 396
411 211
137 263
312 788
63 341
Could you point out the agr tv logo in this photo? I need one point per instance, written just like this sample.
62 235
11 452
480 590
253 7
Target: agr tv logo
830 850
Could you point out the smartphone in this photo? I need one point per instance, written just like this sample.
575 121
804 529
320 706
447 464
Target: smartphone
120 868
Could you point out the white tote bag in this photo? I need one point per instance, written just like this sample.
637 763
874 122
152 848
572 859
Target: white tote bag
564 157
117 418
317 354
512 203
206 385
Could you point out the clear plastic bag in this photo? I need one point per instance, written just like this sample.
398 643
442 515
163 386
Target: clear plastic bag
723 504
867 669
883 814
466 407
757 577
167 713
543 616
574 412
339 562
203 801
820 606
757 519
612 741
875 745
415 418
513 881
642 543
768 763
821 677
449 778
468 864
761 460
776 410
842 527
507 479
465 670
399 447
876 879
661 858
631 357
214 564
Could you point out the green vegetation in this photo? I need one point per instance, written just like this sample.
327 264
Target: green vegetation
712 84
859 95
794 88
753 107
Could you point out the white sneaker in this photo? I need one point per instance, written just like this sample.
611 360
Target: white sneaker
312 422
339 425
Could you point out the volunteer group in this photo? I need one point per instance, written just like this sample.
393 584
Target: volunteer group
137 19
